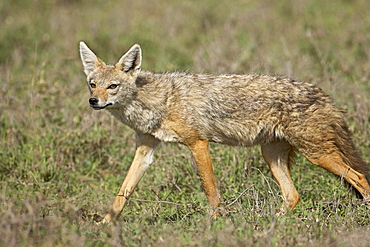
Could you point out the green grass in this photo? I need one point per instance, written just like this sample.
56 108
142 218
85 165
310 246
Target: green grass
61 161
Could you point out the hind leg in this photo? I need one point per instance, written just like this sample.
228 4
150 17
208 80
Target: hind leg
277 156
334 163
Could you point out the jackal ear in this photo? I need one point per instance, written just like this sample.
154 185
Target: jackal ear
131 61
89 60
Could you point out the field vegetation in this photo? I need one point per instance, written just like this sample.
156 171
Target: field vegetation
61 162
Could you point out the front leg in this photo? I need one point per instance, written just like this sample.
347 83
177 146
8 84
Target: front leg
200 151
145 145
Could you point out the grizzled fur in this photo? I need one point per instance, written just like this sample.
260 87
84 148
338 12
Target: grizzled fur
280 114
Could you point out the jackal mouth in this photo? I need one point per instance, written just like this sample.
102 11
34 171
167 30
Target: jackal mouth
97 107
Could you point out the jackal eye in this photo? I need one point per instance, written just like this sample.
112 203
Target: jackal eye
92 85
112 86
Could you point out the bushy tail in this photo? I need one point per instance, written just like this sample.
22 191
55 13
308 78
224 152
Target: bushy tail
348 151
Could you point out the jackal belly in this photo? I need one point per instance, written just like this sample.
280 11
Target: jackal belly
246 133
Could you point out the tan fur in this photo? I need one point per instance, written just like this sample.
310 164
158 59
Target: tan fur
280 114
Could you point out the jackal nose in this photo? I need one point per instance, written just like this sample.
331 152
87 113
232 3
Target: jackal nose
93 101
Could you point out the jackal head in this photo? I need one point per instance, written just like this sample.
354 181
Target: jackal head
110 85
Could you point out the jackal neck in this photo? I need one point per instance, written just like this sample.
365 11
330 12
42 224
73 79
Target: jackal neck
145 109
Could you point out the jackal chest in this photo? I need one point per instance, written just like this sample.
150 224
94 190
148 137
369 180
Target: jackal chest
167 135
149 123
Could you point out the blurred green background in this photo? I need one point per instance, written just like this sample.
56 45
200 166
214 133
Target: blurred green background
60 161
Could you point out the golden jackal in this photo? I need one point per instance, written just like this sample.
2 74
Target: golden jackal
280 114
